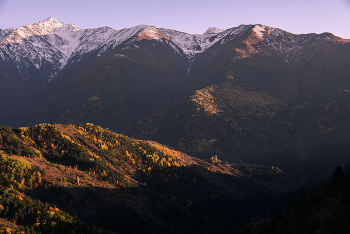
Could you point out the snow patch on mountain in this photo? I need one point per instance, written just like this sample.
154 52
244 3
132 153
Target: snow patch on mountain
120 55
292 47
152 33
262 30
42 28
51 45
193 44
259 31
115 38
5 33
53 42
213 30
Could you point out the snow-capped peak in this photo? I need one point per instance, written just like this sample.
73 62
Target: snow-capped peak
51 22
150 33
42 28
262 30
213 30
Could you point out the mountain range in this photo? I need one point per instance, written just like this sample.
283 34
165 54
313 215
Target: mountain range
251 94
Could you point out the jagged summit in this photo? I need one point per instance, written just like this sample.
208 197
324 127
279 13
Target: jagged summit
53 22
213 30
53 42
150 33
262 30
5 33
44 27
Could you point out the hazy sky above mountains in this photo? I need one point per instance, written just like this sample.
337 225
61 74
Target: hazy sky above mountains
191 16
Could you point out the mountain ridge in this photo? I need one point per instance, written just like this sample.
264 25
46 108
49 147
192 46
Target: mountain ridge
196 43
44 27
249 92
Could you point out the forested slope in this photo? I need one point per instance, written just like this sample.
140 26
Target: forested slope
112 182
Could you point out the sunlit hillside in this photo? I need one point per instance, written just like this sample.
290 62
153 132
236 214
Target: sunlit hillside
89 179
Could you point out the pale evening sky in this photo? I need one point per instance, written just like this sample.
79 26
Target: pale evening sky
191 16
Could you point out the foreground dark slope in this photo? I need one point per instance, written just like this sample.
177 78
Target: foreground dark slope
326 210
127 185
265 102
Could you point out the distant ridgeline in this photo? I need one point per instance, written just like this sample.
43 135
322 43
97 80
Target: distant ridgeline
85 179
